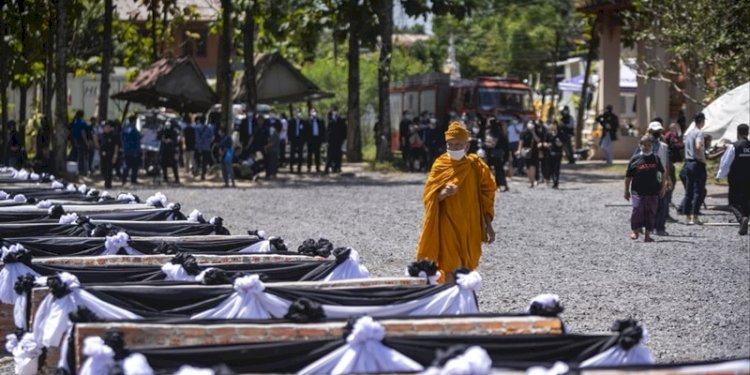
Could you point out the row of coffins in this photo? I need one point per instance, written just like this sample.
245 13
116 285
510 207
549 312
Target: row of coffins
99 284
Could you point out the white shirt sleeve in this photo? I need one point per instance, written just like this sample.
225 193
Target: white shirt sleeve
726 162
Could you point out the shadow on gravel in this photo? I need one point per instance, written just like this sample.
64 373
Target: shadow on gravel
574 176
292 183
675 241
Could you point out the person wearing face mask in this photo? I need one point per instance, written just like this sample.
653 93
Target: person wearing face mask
643 189
336 138
459 206
528 150
315 134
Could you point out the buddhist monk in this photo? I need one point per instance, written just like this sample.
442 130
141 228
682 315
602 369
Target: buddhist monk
459 201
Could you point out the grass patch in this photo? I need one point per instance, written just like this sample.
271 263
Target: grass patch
396 164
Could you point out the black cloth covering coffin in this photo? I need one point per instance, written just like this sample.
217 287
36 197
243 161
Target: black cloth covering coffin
76 246
511 351
84 229
292 271
149 299
156 214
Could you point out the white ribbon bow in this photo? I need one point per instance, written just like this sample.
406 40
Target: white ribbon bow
157 199
113 244
25 353
101 358
70 218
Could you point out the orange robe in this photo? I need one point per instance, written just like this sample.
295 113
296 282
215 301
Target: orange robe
452 229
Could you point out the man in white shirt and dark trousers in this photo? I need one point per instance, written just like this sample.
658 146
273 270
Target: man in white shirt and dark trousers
695 171
736 164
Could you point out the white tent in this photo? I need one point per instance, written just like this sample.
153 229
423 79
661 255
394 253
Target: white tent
725 113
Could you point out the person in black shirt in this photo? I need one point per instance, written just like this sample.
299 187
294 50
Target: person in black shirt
496 143
168 148
642 178
555 141
109 148
528 150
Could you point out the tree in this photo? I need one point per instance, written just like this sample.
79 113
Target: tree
3 81
106 61
706 39
385 19
61 94
248 44
225 76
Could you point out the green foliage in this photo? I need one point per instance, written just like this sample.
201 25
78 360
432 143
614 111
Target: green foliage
506 38
708 37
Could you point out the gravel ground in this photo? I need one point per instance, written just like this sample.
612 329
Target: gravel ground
691 289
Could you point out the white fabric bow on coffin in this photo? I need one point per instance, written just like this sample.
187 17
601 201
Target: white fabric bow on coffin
21 175
618 356
25 353
363 352
474 361
113 244
10 273
34 176
190 370
126 197
3 195
456 300
263 246
44 204
157 200
100 357
249 301
51 320
136 364
70 218
71 187
19 198
175 272
559 368
57 185
83 189
195 216
349 269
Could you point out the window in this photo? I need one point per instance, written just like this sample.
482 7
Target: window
198 40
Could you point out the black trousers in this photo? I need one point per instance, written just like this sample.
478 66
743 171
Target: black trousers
497 164
554 161
695 187
132 164
567 140
334 156
739 198
106 168
202 159
296 155
313 151
167 162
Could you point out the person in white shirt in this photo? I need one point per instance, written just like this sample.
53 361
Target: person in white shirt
514 136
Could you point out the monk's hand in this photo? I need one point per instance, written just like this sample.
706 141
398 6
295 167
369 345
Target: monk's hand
448 190
490 238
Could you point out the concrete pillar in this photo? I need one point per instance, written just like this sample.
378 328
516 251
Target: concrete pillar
660 93
643 92
609 65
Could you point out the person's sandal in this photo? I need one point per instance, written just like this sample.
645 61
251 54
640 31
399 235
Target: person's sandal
634 235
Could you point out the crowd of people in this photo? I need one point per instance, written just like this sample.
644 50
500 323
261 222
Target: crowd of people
651 177
506 143
259 144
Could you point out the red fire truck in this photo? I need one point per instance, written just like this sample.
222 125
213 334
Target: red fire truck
438 94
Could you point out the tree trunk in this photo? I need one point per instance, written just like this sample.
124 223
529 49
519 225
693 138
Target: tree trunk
22 103
3 84
248 43
354 137
106 61
61 92
585 85
225 52
385 17
154 37
49 64
553 80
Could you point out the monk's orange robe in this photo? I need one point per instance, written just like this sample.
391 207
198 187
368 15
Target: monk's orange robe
452 229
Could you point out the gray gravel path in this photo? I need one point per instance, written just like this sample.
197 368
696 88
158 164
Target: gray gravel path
691 289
